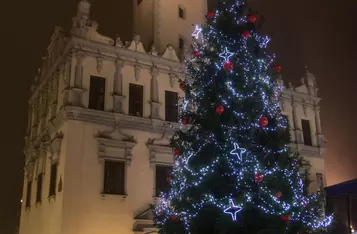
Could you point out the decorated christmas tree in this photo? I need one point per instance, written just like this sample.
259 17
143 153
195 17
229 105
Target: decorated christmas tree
233 171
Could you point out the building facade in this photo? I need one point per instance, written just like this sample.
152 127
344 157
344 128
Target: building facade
100 117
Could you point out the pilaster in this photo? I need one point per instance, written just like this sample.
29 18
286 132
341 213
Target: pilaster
298 131
118 98
76 92
54 94
154 102
319 136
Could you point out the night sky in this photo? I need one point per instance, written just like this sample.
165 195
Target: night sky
318 33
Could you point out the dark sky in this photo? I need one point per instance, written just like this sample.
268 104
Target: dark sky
318 33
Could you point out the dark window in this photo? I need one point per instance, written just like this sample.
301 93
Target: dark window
162 179
39 188
53 180
181 12
136 100
171 108
306 131
96 93
114 177
28 193
181 43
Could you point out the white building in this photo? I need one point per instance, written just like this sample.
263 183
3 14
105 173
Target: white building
98 127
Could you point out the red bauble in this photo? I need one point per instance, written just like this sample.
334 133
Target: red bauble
182 85
252 19
278 194
263 121
185 121
228 66
285 218
177 151
258 177
277 67
173 218
219 109
210 15
274 96
196 53
168 179
246 34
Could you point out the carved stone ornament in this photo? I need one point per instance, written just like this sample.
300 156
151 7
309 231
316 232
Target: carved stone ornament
99 64
55 147
159 145
173 80
137 72
29 170
115 145
304 106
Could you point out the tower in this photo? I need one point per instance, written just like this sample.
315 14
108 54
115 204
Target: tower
163 22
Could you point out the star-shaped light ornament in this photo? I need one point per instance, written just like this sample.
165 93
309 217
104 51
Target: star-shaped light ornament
196 33
233 210
238 151
226 55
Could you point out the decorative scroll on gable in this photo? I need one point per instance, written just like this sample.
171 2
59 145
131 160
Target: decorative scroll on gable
136 45
170 53
143 221
160 150
115 145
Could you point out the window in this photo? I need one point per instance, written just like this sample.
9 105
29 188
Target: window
96 93
28 193
181 43
171 108
306 132
53 180
136 100
114 177
162 179
39 188
181 12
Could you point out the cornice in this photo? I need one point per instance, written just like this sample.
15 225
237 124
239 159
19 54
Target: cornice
129 56
300 97
42 81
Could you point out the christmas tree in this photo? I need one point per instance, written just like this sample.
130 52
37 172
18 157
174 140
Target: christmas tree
233 171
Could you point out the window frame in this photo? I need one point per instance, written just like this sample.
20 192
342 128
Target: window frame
181 12
94 104
53 180
169 109
39 187
157 190
28 194
133 103
120 191
307 137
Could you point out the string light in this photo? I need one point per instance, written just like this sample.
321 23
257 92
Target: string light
256 86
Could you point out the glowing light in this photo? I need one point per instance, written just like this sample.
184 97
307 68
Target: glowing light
226 55
238 151
233 210
197 32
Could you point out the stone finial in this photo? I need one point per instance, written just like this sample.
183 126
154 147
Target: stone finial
118 42
153 50
136 38
83 9
302 80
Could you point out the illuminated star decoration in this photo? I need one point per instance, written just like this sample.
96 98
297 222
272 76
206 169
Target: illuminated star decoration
189 158
238 151
233 210
197 32
226 55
